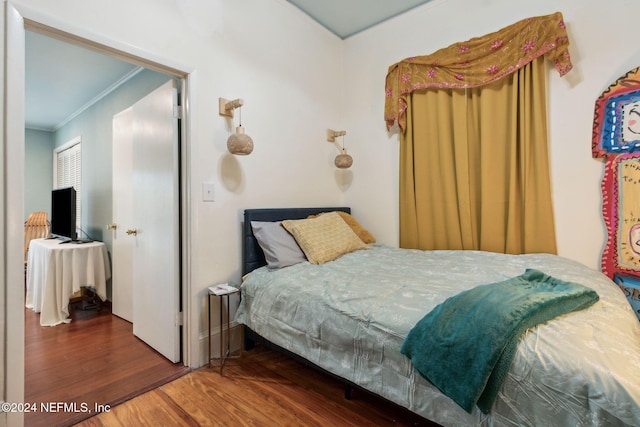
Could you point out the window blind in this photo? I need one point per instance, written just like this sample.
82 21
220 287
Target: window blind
68 173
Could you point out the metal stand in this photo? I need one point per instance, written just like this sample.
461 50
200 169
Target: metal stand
224 353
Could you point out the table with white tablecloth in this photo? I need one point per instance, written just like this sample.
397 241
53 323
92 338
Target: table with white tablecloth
56 270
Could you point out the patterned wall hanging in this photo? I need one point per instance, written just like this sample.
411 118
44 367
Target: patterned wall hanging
616 138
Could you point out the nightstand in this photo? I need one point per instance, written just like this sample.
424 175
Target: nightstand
225 341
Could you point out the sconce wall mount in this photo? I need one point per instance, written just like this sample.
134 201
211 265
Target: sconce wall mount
238 143
342 160
333 134
226 107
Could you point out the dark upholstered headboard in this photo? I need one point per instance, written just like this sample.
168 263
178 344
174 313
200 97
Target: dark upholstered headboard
252 253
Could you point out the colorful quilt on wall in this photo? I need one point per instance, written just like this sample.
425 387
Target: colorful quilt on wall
616 138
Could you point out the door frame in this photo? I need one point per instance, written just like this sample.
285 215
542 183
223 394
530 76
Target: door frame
12 213
16 21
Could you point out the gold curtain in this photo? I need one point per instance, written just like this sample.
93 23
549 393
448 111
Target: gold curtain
474 168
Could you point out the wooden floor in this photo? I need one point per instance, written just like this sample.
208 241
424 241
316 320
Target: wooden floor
265 389
94 360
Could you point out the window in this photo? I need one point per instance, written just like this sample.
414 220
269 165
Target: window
474 170
67 171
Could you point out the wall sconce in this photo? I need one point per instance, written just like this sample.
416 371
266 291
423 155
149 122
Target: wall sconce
238 143
342 160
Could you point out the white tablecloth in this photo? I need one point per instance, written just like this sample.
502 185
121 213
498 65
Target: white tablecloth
56 270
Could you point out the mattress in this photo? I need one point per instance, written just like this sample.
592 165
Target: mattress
350 317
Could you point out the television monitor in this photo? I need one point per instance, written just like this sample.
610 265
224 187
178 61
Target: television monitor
63 213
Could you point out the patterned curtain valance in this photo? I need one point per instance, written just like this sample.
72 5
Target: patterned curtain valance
477 62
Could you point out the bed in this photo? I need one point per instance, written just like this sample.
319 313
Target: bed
350 316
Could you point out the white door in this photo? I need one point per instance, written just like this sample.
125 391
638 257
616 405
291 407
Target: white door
156 207
121 244
153 229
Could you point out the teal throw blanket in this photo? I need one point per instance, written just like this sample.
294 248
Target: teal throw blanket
466 345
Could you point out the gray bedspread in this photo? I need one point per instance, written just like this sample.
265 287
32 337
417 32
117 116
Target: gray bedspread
350 316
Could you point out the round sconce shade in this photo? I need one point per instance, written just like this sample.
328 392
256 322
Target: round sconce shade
343 160
240 143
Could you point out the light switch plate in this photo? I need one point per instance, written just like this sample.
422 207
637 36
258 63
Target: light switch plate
208 192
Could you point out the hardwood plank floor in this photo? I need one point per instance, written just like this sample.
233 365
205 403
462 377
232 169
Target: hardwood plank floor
266 388
94 360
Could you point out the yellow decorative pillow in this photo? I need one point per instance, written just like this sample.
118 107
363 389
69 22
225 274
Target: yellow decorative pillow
324 238
360 231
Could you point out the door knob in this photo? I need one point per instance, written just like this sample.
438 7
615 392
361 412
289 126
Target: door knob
132 231
112 226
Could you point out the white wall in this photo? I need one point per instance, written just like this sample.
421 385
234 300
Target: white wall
601 51
38 171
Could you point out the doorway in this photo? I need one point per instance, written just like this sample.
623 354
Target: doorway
100 226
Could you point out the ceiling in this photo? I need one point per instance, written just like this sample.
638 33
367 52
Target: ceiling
345 18
62 80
